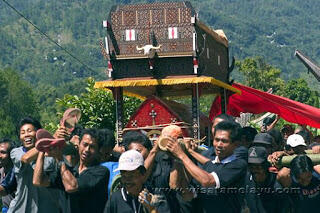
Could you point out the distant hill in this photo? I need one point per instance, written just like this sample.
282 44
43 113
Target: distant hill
272 29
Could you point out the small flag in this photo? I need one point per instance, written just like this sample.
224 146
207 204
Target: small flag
173 32
105 24
195 65
110 66
130 35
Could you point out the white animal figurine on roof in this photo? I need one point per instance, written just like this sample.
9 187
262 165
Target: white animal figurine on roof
147 48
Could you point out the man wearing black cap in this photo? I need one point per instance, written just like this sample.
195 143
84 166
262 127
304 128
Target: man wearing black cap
264 193
264 140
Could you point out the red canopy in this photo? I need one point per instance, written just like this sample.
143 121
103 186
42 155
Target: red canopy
256 102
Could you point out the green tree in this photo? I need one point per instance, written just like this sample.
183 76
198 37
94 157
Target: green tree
17 101
260 75
298 90
48 94
205 102
97 106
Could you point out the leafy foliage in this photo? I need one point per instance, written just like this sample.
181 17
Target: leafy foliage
17 101
255 28
97 106
260 75
297 89
47 95
272 29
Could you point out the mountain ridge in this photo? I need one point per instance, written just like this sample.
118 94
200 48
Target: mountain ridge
271 29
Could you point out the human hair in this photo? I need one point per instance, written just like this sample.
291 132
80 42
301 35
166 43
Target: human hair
93 133
277 136
287 128
233 127
306 136
301 164
249 133
224 117
316 138
142 170
107 138
267 121
11 143
76 131
136 137
28 120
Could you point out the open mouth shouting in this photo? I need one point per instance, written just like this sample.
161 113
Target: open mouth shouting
219 151
28 141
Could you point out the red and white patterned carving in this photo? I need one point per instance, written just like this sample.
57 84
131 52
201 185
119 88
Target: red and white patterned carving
134 123
130 35
173 32
173 120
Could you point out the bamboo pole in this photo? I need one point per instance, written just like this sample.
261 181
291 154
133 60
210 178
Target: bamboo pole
286 160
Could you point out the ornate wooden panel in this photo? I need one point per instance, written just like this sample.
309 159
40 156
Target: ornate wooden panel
185 15
116 18
157 16
129 18
168 26
172 16
143 17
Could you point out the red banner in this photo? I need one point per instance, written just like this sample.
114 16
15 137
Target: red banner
256 102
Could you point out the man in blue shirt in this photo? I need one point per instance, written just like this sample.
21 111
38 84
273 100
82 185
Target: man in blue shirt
8 182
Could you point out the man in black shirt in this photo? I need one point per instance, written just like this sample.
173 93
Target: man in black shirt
241 151
264 193
306 182
86 183
210 154
226 173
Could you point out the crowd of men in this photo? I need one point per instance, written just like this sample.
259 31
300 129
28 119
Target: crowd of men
239 171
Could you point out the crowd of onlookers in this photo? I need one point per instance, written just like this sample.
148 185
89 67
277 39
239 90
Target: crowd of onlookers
84 170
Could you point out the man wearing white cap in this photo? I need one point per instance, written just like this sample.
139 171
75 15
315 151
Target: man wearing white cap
131 197
296 144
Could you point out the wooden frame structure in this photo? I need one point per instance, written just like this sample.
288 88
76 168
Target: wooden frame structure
162 49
